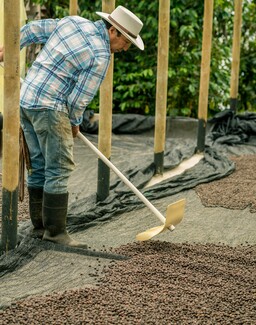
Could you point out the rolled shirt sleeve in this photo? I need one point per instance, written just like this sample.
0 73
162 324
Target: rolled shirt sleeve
37 32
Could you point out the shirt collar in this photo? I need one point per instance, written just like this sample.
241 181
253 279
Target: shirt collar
103 31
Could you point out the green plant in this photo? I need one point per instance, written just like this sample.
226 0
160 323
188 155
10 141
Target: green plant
134 88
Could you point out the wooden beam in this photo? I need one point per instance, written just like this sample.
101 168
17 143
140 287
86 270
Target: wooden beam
234 83
73 7
105 120
205 74
162 84
11 114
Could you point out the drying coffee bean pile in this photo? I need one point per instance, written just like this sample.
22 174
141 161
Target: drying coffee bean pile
161 283
236 191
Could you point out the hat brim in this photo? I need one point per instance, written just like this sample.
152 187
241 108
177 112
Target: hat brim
136 41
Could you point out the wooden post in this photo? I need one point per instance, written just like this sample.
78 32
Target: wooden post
162 83
236 55
205 74
73 7
11 124
105 120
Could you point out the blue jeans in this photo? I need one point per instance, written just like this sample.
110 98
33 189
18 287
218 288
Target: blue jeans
50 142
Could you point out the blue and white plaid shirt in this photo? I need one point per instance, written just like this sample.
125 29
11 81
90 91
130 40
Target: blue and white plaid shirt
70 67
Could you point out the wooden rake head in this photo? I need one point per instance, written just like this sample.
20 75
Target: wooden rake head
174 215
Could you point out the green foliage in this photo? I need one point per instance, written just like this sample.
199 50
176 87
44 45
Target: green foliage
135 71
54 8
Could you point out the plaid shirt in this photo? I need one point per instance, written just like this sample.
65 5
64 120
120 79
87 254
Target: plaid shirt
70 67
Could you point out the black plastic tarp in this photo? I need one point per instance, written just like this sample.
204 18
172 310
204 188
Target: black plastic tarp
121 123
121 199
230 128
229 134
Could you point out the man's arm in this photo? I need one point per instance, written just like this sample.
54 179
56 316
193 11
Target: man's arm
85 89
37 32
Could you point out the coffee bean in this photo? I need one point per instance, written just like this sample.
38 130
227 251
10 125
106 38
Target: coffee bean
161 283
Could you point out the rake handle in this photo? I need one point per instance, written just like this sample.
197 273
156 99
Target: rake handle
123 178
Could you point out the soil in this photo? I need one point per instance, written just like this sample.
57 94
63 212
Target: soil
162 282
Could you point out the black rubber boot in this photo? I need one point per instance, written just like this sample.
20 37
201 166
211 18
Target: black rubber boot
55 208
35 210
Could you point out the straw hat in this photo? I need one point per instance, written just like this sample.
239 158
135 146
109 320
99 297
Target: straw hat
127 23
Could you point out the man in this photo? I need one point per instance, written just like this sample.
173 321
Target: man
62 81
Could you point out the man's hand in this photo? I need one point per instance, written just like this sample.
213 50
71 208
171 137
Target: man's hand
75 130
1 53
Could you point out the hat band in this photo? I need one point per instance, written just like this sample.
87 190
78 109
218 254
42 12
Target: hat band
120 26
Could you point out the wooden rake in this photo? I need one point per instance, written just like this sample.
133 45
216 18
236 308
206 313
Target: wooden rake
174 213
